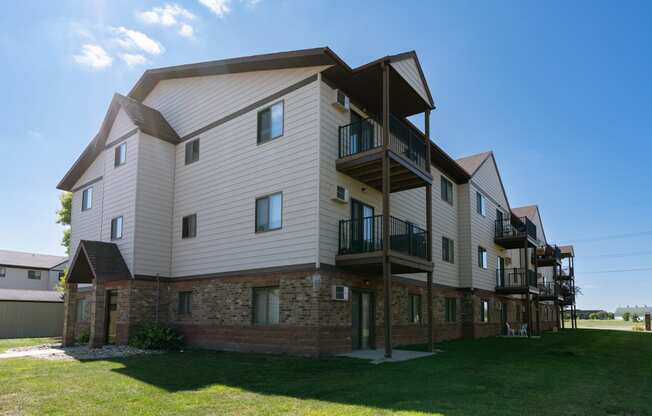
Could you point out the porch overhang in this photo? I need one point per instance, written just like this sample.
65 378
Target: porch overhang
97 261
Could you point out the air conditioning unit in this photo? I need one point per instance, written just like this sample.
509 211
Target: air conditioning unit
341 194
341 101
340 293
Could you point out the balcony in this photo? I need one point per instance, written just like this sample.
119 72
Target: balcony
550 291
566 274
516 281
361 245
547 256
515 232
361 154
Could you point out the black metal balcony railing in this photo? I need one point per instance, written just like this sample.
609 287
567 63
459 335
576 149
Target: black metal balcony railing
365 235
367 134
548 289
515 278
548 252
506 228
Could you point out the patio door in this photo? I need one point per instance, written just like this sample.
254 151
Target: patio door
362 227
361 135
111 315
362 320
500 272
503 318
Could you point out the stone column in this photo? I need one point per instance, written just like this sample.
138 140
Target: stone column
69 314
98 316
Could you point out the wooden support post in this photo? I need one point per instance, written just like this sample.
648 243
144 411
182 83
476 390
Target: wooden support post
387 266
429 230
529 314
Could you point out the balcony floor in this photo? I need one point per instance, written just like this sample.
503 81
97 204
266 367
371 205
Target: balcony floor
367 167
518 290
372 262
518 242
547 262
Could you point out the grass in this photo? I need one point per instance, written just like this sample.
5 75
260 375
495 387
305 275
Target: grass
580 372
6 344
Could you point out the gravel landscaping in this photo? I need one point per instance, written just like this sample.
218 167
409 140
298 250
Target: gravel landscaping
78 352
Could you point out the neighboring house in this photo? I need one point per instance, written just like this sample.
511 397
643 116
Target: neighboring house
640 311
259 204
26 313
19 270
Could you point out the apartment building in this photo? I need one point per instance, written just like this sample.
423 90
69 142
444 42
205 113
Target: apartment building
284 203
30 271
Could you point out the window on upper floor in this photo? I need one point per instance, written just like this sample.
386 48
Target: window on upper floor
116 228
87 199
3 272
192 151
189 226
266 305
269 212
120 155
34 274
483 259
414 311
484 311
480 204
451 309
447 250
185 303
447 190
270 123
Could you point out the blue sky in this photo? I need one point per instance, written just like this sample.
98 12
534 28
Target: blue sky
560 91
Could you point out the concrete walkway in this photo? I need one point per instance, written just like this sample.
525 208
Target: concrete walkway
378 356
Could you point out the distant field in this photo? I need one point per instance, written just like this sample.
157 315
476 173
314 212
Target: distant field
597 324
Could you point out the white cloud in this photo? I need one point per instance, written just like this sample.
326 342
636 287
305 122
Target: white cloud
133 59
130 39
166 15
94 56
186 30
251 3
219 7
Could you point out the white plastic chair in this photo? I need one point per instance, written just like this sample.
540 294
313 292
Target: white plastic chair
524 330
510 331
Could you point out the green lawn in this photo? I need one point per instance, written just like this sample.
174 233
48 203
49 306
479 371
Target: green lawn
6 344
582 372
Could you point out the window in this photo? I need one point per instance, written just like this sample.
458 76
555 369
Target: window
116 228
451 309
481 203
270 123
34 274
87 199
269 212
189 226
120 155
3 272
192 151
185 303
81 310
266 305
415 309
447 190
447 250
484 311
483 260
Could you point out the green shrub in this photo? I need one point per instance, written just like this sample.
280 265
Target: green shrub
84 336
155 336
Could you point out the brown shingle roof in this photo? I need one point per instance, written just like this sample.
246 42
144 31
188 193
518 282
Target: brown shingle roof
34 260
23 295
529 211
472 163
97 260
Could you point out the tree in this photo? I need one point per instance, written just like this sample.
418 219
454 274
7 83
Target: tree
611 316
635 318
63 218
626 316
593 316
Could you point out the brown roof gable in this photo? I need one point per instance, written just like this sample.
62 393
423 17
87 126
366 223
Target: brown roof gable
472 163
532 212
97 260
147 119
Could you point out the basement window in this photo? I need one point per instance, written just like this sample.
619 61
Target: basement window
185 303
415 309
266 305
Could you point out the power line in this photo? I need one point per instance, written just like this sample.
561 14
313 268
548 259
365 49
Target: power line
632 254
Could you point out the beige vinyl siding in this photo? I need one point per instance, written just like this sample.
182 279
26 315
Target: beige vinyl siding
121 125
331 211
408 69
16 278
487 179
154 206
465 249
120 197
191 103
232 171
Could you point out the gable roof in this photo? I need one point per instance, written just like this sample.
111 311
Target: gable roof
567 251
24 295
532 212
147 119
472 164
30 260
97 260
